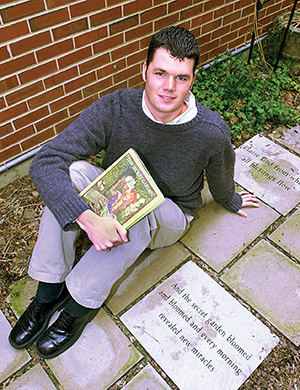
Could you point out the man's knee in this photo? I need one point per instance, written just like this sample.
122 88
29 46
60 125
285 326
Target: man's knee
83 173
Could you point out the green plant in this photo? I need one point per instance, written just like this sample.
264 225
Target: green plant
246 95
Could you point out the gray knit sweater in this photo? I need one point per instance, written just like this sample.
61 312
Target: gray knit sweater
175 155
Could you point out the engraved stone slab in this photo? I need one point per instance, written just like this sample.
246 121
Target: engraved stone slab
12 359
34 379
101 356
270 282
288 137
147 379
287 235
198 333
150 267
269 171
217 235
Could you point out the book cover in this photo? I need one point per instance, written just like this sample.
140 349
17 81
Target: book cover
124 190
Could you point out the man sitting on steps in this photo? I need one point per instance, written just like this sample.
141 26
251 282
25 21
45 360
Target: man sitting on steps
176 137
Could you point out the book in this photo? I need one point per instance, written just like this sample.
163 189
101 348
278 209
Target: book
125 190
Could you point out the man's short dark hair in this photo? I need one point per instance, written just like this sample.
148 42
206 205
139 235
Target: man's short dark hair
180 42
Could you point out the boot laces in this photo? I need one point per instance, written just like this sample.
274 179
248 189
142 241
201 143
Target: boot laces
64 320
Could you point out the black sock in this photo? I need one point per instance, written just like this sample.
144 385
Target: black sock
48 292
75 309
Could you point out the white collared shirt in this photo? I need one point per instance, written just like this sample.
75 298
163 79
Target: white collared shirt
188 115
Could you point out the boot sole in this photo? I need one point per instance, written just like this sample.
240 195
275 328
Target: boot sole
57 307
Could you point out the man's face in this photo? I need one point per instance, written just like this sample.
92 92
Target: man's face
168 81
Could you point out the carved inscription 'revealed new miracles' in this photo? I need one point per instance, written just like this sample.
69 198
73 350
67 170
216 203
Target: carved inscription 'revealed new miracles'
198 333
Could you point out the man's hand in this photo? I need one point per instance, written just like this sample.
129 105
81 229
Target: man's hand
249 200
104 232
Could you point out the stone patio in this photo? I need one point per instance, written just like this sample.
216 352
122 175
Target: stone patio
219 300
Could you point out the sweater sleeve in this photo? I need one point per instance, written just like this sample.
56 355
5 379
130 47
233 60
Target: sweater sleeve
220 174
49 171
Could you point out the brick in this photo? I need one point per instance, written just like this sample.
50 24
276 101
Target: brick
25 92
94 63
38 72
273 9
51 120
222 11
61 126
2 103
97 87
229 37
49 19
247 11
192 11
22 10
220 32
16 64
124 24
211 26
136 6
243 3
126 74
113 88
12 112
140 56
212 4
113 2
13 31
136 82
46 97
125 50
9 153
65 101
37 139
106 16
231 17
177 5
108 44
85 7
17 136
55 50
74 57
110 69
9 83
239 24
61 77
57 3
153 13
4 53
80 106
90 37
80 82
203 19
6 129
70 29
32 117
30 43
135 33
166 21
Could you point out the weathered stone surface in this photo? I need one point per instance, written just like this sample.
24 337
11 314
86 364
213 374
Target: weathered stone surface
288 137
21 294
147 379
146 271
217 235
198 333
269 171
101 356
12 360
287 235
34 379
270 282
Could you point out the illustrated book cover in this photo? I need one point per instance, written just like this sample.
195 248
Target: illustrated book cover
125 190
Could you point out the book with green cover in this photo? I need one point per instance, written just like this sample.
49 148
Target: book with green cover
125 190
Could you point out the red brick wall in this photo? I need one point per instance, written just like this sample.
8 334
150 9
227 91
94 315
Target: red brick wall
59 56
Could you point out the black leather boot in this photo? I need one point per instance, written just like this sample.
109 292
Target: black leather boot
35 320
62 334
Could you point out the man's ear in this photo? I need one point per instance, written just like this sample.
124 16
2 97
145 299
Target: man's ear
144 74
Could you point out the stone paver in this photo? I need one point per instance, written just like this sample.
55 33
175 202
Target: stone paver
147 379
11 359
34 379
217 235
288 235
21 294
148 270
269 171
198 333
269 282
100 357
288 137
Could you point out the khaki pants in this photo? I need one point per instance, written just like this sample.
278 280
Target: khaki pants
92 278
